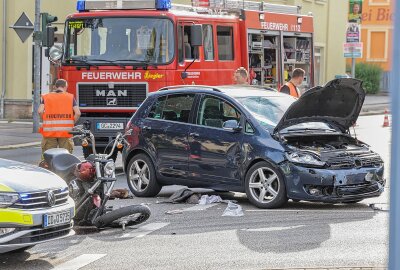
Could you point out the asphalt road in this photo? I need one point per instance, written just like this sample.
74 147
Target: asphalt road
299 235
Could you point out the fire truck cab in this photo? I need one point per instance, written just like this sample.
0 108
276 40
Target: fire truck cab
116 52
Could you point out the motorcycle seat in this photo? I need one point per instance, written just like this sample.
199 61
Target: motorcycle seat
64 164
51 153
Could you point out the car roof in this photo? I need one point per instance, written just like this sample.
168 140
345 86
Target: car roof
230 90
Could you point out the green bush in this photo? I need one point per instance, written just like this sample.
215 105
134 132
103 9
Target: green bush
370 74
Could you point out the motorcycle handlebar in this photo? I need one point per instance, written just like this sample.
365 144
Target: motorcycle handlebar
74 132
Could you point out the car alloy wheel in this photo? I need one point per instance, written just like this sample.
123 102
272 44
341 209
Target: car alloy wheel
265 187
141 177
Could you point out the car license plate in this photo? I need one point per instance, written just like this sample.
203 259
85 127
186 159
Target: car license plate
50 220
110 126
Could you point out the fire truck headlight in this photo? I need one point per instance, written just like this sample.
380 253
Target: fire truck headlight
55 53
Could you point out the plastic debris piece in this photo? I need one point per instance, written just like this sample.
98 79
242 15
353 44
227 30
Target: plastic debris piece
233 210
206 199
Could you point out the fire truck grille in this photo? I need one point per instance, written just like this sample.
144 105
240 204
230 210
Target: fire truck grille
116 96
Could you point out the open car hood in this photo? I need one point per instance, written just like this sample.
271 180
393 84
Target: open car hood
338 102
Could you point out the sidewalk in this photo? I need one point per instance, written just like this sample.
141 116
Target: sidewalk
375 104
17 135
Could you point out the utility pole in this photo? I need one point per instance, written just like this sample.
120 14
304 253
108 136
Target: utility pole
394 234
36 67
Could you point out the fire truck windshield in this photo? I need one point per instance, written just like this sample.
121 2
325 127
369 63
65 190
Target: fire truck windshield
120 41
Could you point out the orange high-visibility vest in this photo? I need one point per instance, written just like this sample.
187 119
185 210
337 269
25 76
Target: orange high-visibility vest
58 116
293 89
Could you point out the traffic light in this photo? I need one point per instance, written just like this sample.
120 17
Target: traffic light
47 31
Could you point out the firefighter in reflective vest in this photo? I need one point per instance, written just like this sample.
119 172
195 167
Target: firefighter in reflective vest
59 113
290 87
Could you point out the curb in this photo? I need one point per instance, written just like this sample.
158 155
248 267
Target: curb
15 146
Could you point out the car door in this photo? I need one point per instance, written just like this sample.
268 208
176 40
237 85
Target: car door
165 131
215 153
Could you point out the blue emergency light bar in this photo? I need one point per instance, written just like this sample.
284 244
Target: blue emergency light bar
85 5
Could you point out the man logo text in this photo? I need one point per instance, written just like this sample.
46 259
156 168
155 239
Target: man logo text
112 93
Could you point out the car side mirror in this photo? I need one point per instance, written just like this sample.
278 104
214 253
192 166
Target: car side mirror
231 125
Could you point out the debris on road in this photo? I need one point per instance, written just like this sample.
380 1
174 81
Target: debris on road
183 195
207 199
174 212
233 210
379 207
120 193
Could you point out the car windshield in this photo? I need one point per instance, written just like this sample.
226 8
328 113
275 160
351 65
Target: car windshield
267 110
119 41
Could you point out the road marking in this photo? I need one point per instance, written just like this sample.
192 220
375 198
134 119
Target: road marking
199 207
145 230
79 262
273 229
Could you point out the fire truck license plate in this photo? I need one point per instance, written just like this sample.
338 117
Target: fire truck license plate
56 219
110 126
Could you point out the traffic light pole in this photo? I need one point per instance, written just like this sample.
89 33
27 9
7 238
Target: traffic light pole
36 68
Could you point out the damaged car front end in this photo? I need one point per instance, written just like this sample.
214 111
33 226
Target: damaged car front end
323 161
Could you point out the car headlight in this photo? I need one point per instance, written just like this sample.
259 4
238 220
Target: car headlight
8 198
109 168
305 159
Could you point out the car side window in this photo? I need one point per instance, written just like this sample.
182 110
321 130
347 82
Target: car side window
177 107
157 108
249 128
213 112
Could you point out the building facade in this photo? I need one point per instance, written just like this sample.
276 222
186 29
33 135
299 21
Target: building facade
16 63
376 35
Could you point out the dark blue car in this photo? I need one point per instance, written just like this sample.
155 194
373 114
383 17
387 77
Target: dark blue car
248 139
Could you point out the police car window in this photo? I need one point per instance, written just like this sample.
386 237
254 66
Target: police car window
157 108
177 107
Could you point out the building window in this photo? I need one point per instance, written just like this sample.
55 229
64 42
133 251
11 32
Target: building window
225 42
377 45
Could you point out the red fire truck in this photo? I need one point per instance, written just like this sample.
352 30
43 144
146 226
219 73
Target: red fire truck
116 52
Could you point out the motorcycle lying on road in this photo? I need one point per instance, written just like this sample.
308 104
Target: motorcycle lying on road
91 182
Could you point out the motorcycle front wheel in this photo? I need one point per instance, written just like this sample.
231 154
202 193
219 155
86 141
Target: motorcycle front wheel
128 215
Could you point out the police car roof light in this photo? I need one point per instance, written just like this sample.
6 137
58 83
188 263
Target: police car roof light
84 5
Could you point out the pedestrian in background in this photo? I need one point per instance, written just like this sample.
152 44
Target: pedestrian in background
241 76
290 87
59 112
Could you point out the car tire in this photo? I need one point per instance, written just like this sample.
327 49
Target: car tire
265 186
141 177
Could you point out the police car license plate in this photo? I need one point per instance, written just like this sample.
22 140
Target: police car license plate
110 126
50 220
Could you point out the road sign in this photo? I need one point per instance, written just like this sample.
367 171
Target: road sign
23 27
353 50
